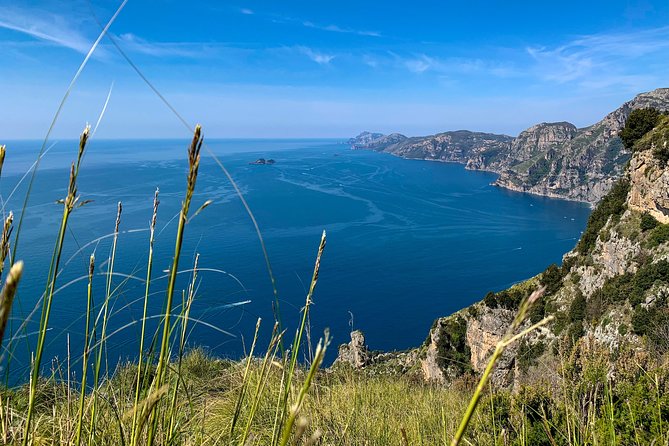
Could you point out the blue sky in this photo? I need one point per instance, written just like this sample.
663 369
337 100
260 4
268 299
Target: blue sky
328 69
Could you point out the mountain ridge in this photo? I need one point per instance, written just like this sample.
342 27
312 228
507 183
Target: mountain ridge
554 159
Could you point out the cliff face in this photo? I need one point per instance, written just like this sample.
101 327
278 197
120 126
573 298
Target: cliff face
551 159
650 184
584 166
611 292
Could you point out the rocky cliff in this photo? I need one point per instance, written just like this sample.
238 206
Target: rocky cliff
611 292
551 159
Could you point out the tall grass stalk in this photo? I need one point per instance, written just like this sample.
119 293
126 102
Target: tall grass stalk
69 203
297 342
85 355
268 359
295 408
105 319
140 359
242 390
186 306
163 356
509 338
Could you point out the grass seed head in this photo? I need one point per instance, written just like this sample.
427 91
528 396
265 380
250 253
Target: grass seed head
3 150
7 295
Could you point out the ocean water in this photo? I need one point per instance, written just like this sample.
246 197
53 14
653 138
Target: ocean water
407 241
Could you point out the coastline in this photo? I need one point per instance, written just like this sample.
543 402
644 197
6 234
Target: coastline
494 183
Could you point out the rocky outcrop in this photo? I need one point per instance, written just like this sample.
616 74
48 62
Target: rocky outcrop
263 161
355 353
364 139
649 186
550 159
612 256
483 334
357 356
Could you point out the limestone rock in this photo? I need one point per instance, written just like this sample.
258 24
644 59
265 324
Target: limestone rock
355 352
649 183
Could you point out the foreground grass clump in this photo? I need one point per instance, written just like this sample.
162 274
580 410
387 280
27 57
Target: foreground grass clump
352 408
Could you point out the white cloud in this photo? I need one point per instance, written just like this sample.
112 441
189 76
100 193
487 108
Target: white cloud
420 64
45 26
339 29
370 61
603 59
136 44
246 11
316 56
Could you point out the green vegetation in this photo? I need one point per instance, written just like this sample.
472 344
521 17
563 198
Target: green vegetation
452 346
528 353
639 122
577 308
508 299
611 206
652 322
658 236
648 222
656 139
552 278
349 408
538 171
647 129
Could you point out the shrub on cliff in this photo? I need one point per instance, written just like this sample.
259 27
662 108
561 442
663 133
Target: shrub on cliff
648 222
577 308
657 140
639 122
658 236
613 204
452 345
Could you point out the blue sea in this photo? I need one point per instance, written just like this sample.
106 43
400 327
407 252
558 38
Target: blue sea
407 241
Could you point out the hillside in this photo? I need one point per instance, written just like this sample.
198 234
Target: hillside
551 159
611 293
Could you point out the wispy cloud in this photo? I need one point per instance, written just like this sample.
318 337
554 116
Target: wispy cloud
316 56
247 11
339 29
420 63
424 63
292 20
44 26
609 58
136 44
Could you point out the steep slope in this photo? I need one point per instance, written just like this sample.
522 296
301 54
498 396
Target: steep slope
610 293
585 166
551 159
